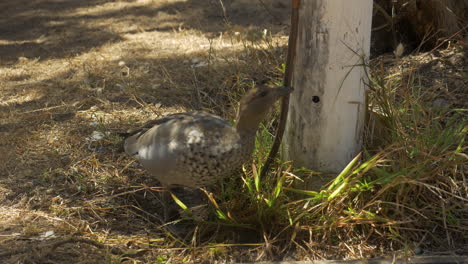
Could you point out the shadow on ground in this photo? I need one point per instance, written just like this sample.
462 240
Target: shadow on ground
56 29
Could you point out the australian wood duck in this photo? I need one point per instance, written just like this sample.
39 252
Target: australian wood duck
197 149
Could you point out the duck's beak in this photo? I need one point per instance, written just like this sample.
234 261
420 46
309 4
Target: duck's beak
284 90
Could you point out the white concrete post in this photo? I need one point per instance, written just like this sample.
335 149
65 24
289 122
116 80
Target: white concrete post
327 108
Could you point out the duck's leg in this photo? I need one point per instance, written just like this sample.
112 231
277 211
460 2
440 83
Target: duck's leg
165 199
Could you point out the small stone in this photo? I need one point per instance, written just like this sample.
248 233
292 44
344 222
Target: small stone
96 136
22 59
200 64
101 150
418 251
399 50
48 234
440 103
99 91
121 87
121 63
35 182
457 59
438 66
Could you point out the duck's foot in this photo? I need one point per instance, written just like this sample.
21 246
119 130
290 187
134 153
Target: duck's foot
195 202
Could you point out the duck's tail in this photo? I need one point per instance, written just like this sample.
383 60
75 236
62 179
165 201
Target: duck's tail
131 144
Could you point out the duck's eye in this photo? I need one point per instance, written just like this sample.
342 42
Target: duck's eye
263 94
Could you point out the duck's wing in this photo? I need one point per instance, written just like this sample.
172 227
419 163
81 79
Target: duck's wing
161 139
135 139
148 125
189 149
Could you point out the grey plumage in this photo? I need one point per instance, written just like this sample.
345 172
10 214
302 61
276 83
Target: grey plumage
190 149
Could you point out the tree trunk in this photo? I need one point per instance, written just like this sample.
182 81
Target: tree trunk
327 108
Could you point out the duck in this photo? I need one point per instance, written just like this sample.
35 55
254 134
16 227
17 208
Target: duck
199 149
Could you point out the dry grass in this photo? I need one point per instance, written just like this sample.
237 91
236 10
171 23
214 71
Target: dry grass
105 67
418 25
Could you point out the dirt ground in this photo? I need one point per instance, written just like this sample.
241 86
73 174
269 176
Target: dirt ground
73 73
69 69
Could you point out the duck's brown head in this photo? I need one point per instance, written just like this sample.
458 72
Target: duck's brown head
255 105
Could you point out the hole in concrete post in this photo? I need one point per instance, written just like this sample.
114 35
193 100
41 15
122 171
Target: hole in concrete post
315 99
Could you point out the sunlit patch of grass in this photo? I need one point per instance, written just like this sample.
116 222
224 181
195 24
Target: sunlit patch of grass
407 189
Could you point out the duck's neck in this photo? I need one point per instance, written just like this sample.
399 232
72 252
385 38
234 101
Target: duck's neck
246 130
248 124
247 134
247 140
